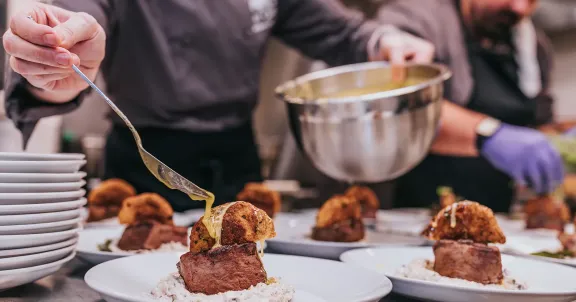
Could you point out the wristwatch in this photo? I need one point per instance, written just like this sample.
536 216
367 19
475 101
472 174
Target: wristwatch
485 129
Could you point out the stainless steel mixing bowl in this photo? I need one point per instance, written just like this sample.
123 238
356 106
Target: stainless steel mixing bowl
371 137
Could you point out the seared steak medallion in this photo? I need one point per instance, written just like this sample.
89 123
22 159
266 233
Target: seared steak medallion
226 268
150 235
467 260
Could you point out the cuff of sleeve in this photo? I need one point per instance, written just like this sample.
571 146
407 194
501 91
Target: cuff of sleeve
25 110
374 53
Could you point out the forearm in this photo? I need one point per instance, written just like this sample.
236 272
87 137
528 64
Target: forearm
457 134
324 30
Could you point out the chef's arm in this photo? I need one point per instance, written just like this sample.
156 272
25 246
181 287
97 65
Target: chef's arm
457 134
25 105
324 30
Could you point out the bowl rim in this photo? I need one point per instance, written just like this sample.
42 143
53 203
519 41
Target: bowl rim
444 74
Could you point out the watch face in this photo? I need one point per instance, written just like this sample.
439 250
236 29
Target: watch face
487 127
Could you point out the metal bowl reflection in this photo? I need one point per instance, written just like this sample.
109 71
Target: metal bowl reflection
375 136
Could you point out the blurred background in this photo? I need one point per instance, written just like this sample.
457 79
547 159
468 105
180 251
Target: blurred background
84 129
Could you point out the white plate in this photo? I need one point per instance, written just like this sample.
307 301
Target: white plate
42 207
41 177
180 218
523 245
38 249
293 237
13 278
65 166
131 278
28 198
24 156
7 220
17 262
38 228
41 187
546 281
34 240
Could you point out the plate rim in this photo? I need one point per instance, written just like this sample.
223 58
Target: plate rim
24 250
30 269
527 292
378 292
40 226
51 234
46 195
41 254
81 201
48 156
36 215
42 184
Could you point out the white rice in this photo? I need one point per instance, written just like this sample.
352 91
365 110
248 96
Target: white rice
172 289
422 269
165 247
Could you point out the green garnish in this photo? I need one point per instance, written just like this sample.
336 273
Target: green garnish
105 247
557 255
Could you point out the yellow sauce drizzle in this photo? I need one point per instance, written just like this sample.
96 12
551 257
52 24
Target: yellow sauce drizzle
453 215
215 220
261 249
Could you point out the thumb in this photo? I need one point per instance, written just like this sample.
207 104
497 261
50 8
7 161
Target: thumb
78 28
397 61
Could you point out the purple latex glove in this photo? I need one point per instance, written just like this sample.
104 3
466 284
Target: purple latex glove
526 156
570 133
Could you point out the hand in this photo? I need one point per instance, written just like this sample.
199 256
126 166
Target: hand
43 50
527 156
399 47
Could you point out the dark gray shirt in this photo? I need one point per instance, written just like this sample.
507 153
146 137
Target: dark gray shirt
195 64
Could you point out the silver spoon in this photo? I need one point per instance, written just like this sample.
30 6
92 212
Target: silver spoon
165 174
161 171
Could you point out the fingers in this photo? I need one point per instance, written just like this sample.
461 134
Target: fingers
46 81
397 60
557 171
29 68
79 27
31 31
535 176
24 50
424 54
546 172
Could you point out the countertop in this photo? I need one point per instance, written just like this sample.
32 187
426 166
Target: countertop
67 285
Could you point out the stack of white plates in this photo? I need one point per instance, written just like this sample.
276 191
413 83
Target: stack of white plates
41 200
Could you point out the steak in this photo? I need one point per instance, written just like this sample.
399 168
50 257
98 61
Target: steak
226 268
467 260
351 230
150 235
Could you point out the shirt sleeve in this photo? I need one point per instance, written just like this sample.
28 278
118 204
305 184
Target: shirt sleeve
413 16
324 30
21 106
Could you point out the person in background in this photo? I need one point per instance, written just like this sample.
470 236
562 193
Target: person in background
498 94
185 73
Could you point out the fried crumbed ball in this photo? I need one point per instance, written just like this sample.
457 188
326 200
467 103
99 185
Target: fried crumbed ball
546 212
339 220
262 197
105 200
146 207
337 209
466 220
367 198
242 223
